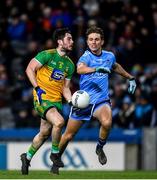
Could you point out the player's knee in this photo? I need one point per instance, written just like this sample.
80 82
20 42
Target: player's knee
69 136
45 132
106 124
59 123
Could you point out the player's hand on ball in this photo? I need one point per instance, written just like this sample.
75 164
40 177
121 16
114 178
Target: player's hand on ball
39 92
132 86
103 70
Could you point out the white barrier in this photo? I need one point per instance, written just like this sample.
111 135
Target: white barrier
79 155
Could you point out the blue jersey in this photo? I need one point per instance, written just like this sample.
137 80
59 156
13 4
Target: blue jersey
96 84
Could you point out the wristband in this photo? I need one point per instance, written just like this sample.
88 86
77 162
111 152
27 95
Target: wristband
36 88
132 79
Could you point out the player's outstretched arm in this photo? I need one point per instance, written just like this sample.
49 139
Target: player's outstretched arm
132 82
66 91
31 69
121 71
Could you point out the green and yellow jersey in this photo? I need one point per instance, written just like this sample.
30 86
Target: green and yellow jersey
50 77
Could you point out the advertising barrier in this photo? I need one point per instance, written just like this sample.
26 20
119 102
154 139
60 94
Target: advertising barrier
79 155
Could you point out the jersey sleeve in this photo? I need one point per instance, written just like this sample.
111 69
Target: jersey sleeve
71 70
84 59
42 57
113 58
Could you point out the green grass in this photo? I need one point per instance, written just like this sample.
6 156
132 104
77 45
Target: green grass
80 175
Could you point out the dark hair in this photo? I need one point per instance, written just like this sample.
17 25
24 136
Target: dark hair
95 29
60 34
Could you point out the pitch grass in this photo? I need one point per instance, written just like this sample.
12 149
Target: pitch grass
4 174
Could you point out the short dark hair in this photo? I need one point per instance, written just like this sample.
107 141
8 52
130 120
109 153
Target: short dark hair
94 29
60 34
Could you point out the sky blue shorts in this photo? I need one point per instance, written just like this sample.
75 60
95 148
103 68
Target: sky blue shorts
86 113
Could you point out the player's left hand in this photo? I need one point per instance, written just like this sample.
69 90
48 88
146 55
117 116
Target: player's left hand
103 70
132 86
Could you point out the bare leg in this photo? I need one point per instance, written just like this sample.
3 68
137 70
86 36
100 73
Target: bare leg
72 128
45 132
104 115
57 122
40 138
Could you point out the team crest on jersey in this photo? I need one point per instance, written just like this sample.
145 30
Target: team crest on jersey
57 74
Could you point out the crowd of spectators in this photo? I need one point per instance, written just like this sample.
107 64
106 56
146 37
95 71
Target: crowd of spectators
130 28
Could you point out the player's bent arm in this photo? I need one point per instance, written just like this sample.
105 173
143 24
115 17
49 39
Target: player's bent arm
120 70
31 69
66 90
82 68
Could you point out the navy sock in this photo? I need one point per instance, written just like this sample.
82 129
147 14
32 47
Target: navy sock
101 143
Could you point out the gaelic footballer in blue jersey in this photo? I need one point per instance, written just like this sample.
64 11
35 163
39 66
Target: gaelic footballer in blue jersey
94 67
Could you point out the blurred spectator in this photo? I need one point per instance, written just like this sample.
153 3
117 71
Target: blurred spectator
91 7
6 116
112 34
61 17
143 111
125 117
16 29
154 102
4 87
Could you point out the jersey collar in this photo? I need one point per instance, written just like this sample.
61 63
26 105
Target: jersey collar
93 53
